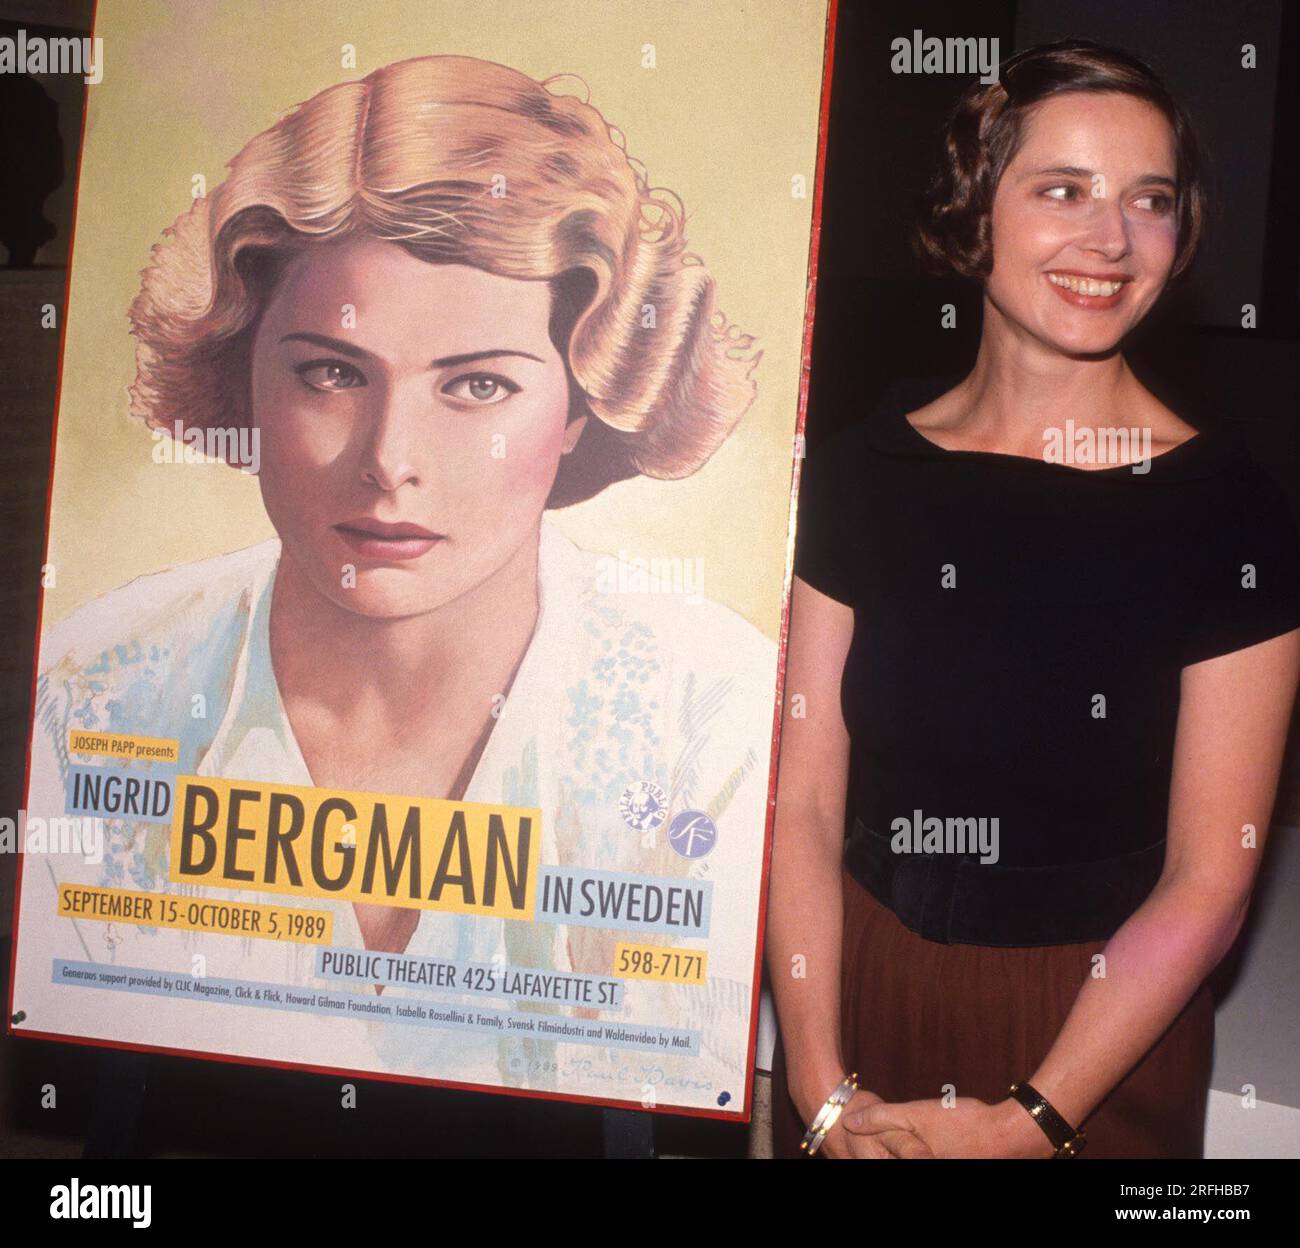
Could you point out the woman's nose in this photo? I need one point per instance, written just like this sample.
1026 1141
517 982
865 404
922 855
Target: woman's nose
399 429
1107 232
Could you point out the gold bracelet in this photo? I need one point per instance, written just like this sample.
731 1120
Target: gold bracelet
829 1114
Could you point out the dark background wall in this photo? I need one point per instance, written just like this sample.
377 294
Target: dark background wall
877 324
40 130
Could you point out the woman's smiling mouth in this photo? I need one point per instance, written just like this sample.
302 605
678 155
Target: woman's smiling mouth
1083 290
373 539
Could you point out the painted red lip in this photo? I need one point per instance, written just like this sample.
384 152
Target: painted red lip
373 539
377 528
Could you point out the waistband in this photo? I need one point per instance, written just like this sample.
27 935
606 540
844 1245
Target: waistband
956 899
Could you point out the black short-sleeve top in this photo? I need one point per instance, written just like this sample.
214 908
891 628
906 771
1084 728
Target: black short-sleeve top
1020 625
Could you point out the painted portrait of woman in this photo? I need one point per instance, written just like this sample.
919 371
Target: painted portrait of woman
442 303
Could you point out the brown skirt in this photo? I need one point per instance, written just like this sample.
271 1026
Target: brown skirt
917 1015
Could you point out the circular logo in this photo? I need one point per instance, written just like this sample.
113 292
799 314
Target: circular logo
692 834
643 805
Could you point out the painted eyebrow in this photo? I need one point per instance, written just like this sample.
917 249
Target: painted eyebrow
451 361
334 344
447 361
1073 171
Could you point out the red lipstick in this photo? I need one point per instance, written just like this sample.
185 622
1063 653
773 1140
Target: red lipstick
377 539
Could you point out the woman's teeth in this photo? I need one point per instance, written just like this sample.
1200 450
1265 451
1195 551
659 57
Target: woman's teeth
1084 285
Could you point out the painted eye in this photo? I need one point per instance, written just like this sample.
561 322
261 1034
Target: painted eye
330 375
481 388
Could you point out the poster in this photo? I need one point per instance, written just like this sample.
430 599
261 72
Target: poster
417 555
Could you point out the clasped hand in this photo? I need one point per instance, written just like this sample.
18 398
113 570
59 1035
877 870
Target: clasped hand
966 1127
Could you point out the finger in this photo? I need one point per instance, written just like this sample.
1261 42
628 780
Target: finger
860 1100
875 1118
904 1144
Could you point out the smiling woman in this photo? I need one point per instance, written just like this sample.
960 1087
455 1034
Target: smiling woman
1101 659
444 301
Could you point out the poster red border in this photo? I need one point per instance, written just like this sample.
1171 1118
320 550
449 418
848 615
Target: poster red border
805 365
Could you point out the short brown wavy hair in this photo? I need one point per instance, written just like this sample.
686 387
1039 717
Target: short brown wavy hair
952 232
460 161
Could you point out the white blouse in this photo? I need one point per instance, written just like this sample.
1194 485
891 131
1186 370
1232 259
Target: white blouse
615 688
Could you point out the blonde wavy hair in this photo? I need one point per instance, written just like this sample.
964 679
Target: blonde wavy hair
412 154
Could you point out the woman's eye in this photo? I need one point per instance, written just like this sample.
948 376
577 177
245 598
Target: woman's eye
481 388
330 375
1063 193
1156 202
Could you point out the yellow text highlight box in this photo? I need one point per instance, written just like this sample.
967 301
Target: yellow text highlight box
196 914
123 745
661 962
420 853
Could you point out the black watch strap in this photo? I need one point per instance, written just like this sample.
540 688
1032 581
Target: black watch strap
1065 1139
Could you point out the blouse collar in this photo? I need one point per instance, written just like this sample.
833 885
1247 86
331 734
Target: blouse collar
255 741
